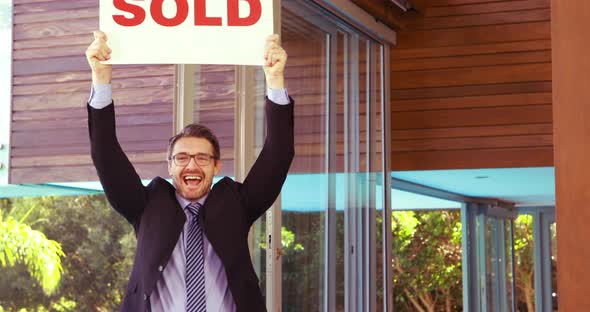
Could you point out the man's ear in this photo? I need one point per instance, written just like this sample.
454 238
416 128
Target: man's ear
218 166
170 167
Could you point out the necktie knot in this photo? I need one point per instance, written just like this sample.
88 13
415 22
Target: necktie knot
194 209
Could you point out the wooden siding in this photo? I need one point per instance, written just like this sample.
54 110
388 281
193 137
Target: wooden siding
51 83
471 86
571 113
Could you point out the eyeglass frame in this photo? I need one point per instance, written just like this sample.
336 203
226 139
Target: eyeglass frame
195 157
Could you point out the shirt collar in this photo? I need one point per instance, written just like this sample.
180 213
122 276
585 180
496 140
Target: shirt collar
185 202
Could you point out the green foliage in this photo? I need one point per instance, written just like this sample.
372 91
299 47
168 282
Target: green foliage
427 259
99 246
524 262
403 226
19 243
287 242
302 260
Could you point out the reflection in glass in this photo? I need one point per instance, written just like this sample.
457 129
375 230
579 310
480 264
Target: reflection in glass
377 166
492 257
553 235
214 101
498 255
508 265
303 259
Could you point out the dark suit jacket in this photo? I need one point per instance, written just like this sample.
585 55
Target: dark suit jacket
226 217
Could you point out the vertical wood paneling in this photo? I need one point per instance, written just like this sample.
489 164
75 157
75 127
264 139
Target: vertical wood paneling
471 86
572 132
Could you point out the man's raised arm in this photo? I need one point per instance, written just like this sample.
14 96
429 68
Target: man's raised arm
119 179
265 180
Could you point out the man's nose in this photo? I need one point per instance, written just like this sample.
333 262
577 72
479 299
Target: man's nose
192 163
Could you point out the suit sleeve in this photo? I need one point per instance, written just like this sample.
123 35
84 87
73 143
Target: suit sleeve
120 181
267 176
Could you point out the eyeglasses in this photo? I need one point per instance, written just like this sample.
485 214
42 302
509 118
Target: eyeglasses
183 159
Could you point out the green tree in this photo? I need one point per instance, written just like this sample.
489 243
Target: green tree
99 247
427 260
19 243
524 263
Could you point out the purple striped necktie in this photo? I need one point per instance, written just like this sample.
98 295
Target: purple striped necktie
195 263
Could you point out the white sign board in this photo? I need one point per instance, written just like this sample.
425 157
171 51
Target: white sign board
186 31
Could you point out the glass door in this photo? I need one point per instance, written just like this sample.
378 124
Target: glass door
536 259
549 259
334 190
499 275
494 259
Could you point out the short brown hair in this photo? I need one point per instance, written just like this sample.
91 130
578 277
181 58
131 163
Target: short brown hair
195 131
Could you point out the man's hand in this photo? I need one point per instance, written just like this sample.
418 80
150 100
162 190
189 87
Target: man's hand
96 52
275 59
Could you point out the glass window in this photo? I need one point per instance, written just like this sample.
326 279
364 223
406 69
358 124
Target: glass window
498 264
553 248
427 253
305 194
492 266
214 102
332 201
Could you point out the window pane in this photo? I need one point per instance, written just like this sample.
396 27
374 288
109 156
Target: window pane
214 102
508 265
553 236
492 258
305 194
377 165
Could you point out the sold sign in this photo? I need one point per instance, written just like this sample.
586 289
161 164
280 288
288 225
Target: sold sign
186 31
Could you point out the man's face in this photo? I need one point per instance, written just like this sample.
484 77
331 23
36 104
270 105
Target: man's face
193 181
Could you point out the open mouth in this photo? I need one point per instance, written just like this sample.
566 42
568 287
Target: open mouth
192 180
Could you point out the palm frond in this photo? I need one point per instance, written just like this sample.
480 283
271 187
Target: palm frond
19 243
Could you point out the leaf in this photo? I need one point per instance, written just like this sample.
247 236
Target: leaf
19 243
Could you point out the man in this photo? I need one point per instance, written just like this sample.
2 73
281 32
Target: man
192 250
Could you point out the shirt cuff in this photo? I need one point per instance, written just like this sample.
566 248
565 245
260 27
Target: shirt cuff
278 96
101 95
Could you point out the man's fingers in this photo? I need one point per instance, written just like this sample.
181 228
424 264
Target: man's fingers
276 54
272 38
105 50
101 54
275 58
271 41
99 35
98 48
275 49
